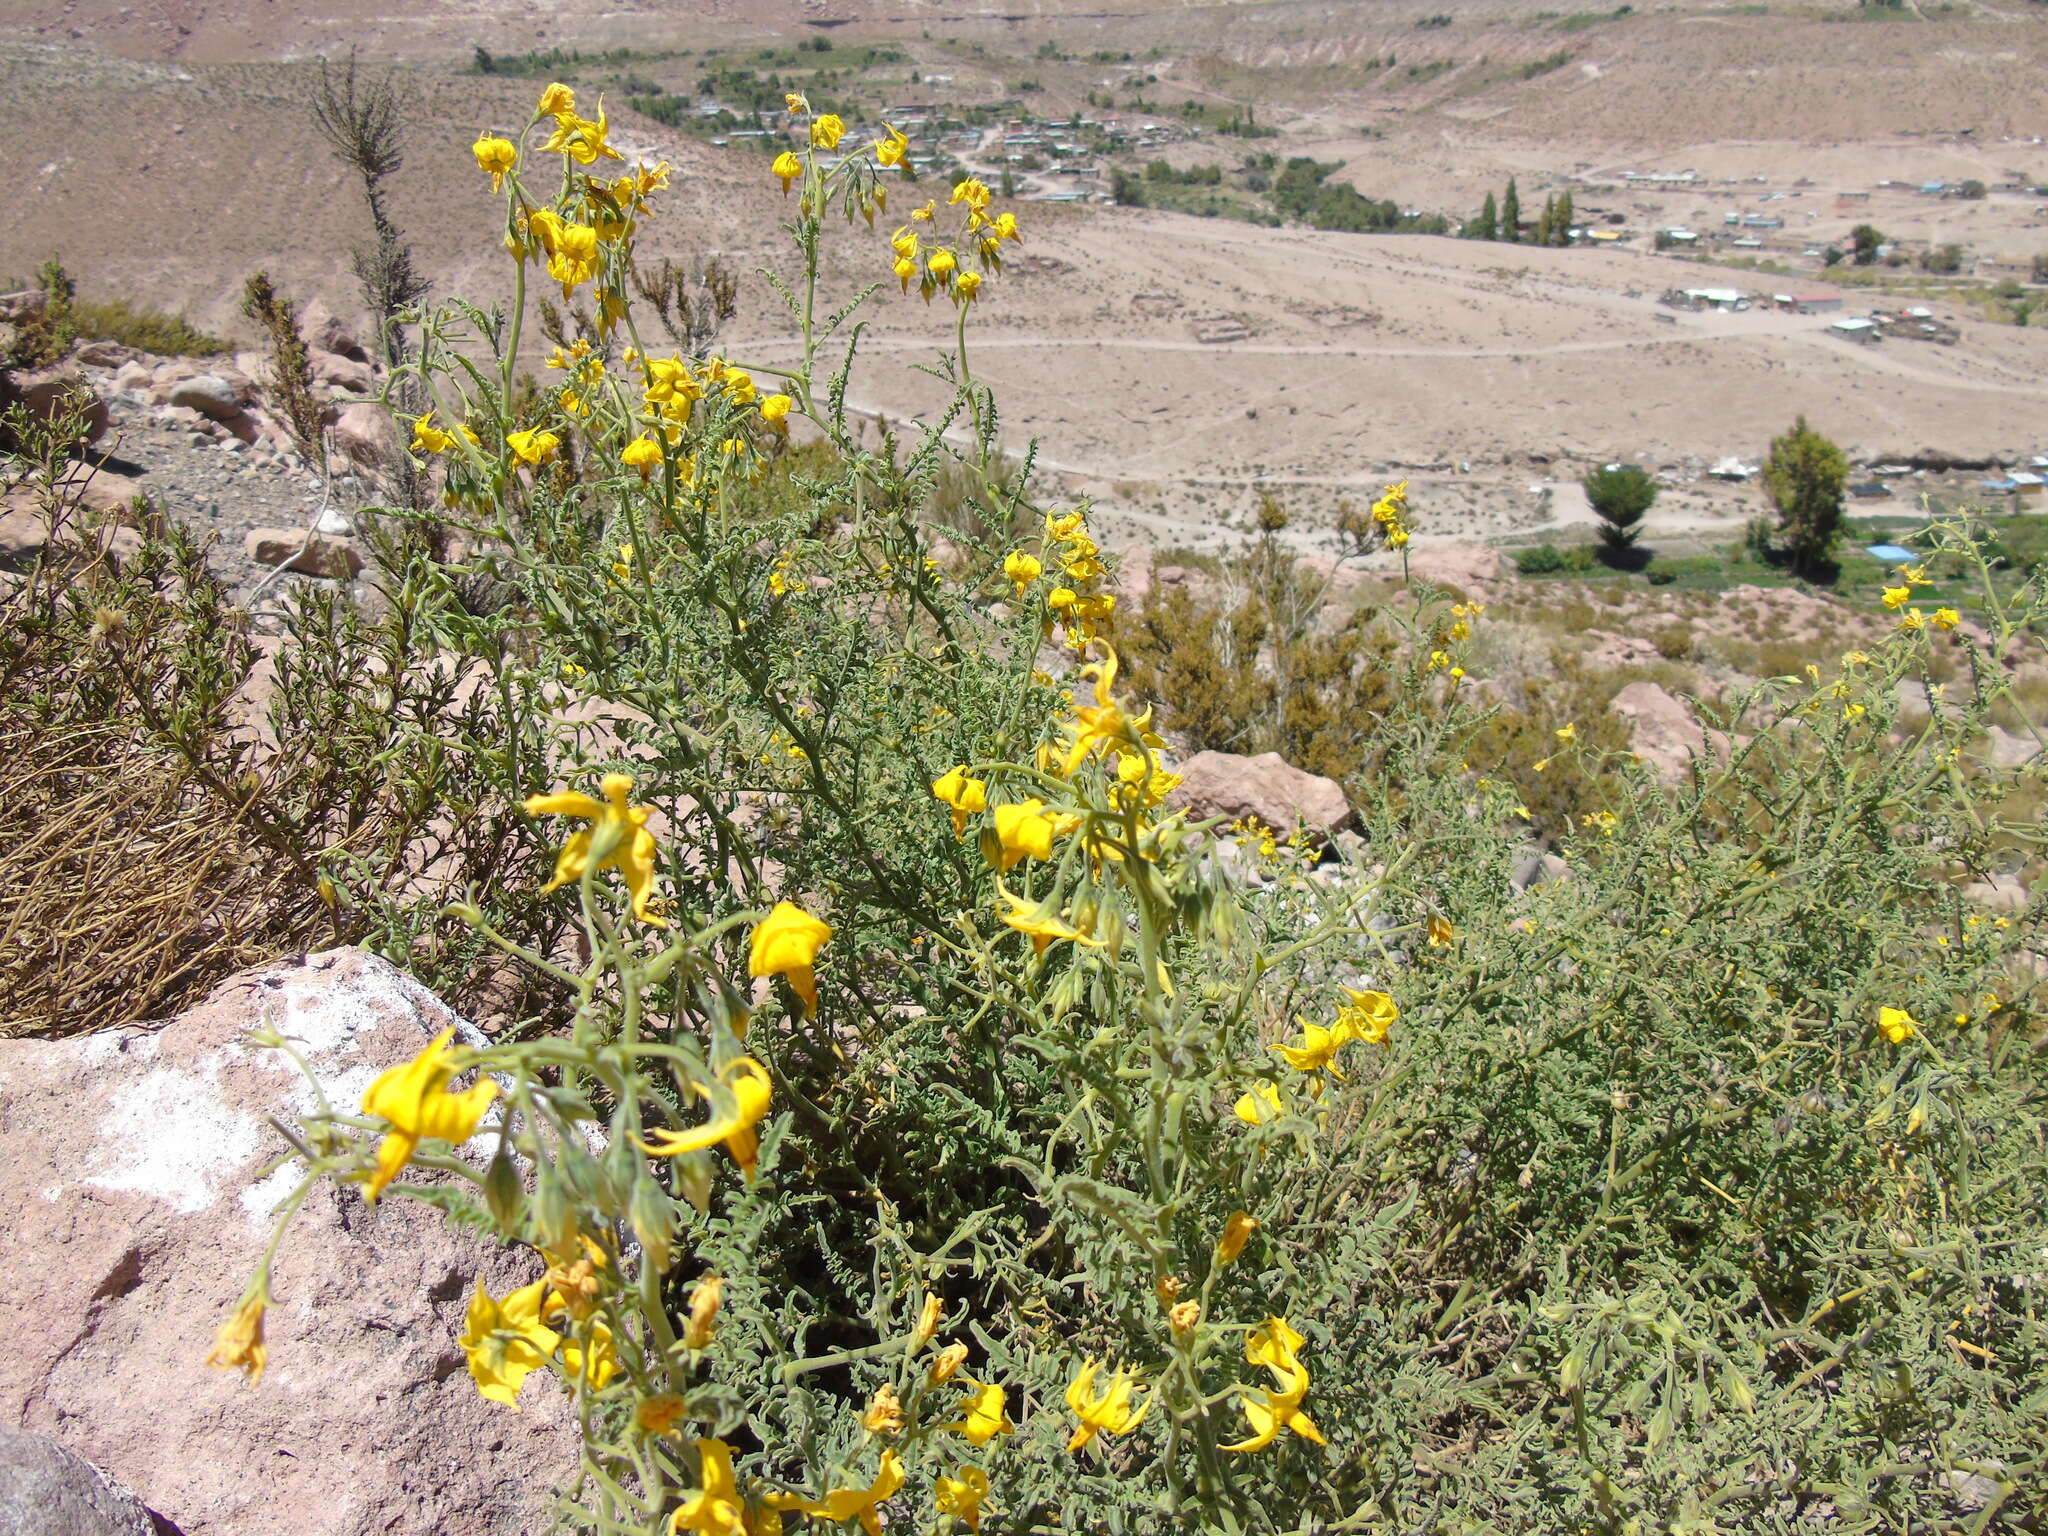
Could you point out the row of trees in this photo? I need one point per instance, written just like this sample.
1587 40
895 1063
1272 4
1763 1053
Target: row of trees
1503 220
1804 474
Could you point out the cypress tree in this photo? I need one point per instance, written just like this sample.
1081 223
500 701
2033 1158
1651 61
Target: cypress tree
1511 213
1487 225
1561 225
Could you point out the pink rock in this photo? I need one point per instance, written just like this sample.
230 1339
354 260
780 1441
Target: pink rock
1661 729
135 1211
341 372
362 434
310 554
1266 787
47 392
1468 567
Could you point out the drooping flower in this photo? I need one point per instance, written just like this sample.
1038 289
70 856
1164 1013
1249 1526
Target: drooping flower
1897 1025
1440 931
238 1342
786 943
659 1414
797 103
533 447
715 1508
705 1297
643 454
966 796
594 1363
1947 618
1237 1232
617 838
506 1341
941 264
1367 1016
414 1099
775 409
1022 569
1027 831
946 1362
827 130
1107 1412
556 100
1042 924
1273 1344
786 169
750 1088
884 1415
1317 1052
961 1495
428 438
891 147
495 157
966 286
845 1504
981 1416
1259 1105
582 140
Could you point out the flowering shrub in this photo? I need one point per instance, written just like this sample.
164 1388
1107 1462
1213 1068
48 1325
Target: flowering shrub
938 1137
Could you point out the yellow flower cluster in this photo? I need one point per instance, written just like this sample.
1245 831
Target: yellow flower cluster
1900 595
1390 512
935 265
1083 609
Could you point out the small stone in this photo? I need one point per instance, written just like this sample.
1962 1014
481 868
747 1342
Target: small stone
45 1490
309 554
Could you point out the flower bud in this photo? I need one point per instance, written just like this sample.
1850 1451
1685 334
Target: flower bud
704 1303
503 1192
652 1215
948 1360
1236 1233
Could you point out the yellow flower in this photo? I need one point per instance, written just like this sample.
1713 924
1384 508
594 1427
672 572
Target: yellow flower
891 147
414 1098
705 1297
556 100
775 409
238 1343
1236 1233
428 438
617 838
786 943
572 258
851 1503
971 192
506 1341
580 139
1946 618
1004 227
966 286
941 264
884 1414
982 1417
1022 569
905 269
532 447
495 156
643 454
1260 1105
1317 1051
1440 932
1367 1016
594 1365
1897 597
796 103
716 1508
748 1084
1913 619
787 168
1108 1412
1566 734
658 1415
1897 1025
966 796
1273 1344
1042 924
946 1362
1027 831
827 130
961 1495
1916 574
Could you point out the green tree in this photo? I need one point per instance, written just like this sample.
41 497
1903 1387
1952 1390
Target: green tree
1831 257
1804 475
1544 220
1511 213
1620 494
1487 225
1561 221
1864 240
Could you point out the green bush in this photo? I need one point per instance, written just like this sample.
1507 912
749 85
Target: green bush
923 1069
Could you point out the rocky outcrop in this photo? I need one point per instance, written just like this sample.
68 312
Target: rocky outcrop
47 1491
1266 788
137 1203
310 554
1662 730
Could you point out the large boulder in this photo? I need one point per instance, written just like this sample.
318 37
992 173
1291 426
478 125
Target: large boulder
362 434
1267 788
49 392
1662 730
47 1491
138 1203
222 396
308 553
1456 563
